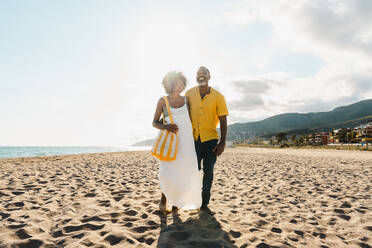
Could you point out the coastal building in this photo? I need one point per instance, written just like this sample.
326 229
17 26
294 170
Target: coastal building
332 137
321 138
367 135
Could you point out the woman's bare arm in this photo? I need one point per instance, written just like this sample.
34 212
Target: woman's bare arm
158 111
156 122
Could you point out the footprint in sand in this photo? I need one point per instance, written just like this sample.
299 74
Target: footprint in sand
235 234
22 234
91 227
276 230
300 233
131 212
140 229
94 218
321 235
129 224
57 234
16 226
4 215
78 236
114 240
345 217
31 243
142 239
90 195
18 192
118 198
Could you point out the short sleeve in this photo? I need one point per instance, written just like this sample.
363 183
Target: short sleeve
188 93
221 106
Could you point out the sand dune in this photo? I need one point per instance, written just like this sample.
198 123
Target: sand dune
262 198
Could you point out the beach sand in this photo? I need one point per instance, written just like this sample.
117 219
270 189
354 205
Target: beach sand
262 198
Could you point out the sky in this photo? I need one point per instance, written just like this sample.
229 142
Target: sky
89 72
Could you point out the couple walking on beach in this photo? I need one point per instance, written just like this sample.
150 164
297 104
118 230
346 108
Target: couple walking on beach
195 117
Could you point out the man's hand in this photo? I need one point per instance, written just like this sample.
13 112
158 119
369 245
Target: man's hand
219 148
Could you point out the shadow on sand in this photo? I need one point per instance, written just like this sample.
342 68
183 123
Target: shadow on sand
202 232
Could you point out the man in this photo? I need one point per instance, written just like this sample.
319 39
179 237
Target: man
207 109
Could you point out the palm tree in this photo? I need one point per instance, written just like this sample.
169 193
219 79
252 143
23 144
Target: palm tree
302 139
293 138
280 137
343 136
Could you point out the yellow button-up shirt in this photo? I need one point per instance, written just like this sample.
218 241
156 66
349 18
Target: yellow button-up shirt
205 112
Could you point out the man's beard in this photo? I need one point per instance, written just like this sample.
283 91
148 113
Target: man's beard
202 81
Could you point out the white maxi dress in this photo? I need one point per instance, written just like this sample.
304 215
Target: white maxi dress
180 180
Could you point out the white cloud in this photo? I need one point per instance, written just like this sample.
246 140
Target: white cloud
251 93
104 91
338 32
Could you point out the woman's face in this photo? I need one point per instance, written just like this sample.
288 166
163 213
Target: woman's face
180 86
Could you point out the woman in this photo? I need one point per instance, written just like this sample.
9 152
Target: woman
180 180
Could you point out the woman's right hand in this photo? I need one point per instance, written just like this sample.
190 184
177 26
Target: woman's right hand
172 128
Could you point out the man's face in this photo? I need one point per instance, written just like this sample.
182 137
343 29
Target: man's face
202 77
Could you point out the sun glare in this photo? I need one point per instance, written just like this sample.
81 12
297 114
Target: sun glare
162 47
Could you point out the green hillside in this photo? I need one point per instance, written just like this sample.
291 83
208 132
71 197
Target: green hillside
297 123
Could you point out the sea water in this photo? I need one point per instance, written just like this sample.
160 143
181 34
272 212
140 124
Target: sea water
31 151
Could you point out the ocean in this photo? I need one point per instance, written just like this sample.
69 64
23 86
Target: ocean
32 151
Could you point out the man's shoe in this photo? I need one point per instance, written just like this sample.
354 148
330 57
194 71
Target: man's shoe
207 210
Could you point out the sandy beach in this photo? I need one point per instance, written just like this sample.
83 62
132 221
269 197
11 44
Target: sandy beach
262 198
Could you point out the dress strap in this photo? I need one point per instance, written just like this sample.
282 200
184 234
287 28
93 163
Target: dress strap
168 109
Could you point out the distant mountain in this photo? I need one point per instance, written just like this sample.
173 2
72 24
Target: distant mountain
345 124
296 121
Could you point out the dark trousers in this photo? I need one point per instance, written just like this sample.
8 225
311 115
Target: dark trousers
204 151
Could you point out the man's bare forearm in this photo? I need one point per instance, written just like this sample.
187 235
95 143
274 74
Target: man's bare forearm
223 128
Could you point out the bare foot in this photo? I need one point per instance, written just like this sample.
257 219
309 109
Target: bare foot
163 205
163 209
